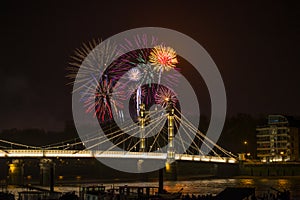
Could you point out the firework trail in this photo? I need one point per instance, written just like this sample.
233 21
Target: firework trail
146 66
135 75
140 71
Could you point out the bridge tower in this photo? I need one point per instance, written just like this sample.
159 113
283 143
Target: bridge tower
171 149
142 128
171 169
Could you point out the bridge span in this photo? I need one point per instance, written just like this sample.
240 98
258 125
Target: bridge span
30 153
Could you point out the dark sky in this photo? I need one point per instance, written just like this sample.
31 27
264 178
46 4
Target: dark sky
255 46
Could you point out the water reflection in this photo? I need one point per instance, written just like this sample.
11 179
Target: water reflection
247 182
283 183
214 186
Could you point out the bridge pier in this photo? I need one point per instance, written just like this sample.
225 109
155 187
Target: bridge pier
16 172
47 168
171 171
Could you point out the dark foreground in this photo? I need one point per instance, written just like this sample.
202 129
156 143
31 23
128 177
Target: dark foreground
202 189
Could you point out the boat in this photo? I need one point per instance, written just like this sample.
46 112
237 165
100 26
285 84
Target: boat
284 195
169 195
236 193
138 192
41 195
7 196
69 196
99 192
92 192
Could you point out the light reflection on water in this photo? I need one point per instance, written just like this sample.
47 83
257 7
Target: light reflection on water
211 186
247 182
214 186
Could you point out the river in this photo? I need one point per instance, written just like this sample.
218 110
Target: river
209 186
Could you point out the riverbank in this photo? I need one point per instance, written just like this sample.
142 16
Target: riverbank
265 177
270 169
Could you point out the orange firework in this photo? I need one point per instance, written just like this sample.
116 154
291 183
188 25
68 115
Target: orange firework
163 58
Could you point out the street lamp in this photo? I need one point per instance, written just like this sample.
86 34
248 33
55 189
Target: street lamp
282 155
245 143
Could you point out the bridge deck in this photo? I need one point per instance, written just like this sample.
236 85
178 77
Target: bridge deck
27 153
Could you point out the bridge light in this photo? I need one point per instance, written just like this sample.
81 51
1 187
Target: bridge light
12 169
168 167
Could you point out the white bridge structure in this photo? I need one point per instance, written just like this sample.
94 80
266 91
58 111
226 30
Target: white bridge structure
133 147
137 146
29 153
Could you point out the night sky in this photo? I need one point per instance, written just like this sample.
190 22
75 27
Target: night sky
254 45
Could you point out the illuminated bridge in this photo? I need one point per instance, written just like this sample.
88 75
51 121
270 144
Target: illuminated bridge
130 142
133 141
24 153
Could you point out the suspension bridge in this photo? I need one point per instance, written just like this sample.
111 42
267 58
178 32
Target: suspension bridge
154 150
26 153
175 139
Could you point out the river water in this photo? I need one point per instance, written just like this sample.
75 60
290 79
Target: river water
208 186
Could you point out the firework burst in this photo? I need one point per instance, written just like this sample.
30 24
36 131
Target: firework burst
163 58
134 74
91 68
148 74
92 60
150 58
139 42
165 95
97 68
103 100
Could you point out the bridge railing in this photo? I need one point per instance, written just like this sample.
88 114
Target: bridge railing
110 154
204 158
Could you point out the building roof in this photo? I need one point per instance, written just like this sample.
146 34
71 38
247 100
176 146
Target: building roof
276 119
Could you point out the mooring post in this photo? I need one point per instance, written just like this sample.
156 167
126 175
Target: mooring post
52 177
47 171
161 180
